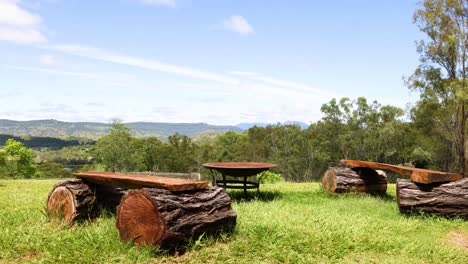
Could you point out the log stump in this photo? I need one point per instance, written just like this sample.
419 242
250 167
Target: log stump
70 200
443 199
168 219
359 179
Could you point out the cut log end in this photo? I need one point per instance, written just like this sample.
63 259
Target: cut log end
70 200
61 204
138 219
168 219
365 180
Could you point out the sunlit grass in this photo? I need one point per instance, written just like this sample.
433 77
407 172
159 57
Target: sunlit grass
288 222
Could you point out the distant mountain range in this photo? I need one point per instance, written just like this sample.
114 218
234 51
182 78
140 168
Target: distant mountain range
93 130
245 126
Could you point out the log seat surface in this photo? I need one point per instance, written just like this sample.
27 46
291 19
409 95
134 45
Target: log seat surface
136 181
417 175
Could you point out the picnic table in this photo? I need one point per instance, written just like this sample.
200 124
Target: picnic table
238 170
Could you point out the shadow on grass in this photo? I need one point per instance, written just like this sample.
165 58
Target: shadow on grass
384 197
264 196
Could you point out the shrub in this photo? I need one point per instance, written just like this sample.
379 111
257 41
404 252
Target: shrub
269 177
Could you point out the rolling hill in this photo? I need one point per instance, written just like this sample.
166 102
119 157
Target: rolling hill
93 130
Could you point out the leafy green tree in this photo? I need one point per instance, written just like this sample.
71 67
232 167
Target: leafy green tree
441 76
16 160
119 151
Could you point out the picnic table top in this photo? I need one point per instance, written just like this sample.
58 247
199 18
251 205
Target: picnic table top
417 175
137 181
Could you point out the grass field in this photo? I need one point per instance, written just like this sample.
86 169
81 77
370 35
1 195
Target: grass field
287 223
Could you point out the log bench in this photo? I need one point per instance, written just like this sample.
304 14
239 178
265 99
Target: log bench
152 210
428 191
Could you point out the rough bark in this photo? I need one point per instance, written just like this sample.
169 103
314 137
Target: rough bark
366 180
169 219
70 200
76 200
444 199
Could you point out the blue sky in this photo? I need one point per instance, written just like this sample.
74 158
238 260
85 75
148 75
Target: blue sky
213 61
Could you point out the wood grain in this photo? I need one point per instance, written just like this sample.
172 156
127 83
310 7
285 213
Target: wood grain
135 181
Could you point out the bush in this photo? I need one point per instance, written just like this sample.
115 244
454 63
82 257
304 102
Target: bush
53 170
269 177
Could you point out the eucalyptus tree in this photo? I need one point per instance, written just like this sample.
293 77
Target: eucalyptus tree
441 77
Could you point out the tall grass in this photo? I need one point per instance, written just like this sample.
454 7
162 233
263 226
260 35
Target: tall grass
285 223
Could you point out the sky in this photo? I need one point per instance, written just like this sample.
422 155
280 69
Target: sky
220 62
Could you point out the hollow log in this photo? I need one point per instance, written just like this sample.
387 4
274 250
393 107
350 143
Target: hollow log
444 199
70 200
168 219
358 179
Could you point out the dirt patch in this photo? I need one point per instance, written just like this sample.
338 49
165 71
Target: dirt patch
458 239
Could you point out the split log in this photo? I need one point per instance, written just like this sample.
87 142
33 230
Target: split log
444 199
366 180
168 219
71 200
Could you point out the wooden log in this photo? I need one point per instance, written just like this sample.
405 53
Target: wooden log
444 199
366 180
76 200
168 219
70 200
416 174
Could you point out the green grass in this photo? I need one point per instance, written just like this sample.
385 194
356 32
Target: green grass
286 223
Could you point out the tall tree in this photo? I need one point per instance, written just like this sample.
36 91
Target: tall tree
441 76
119 151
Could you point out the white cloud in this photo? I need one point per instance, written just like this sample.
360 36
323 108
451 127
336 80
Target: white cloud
19 25
289 86
169 3
49 60
239 25
153 65
109 79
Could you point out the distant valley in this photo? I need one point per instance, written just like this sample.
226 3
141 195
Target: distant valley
94 130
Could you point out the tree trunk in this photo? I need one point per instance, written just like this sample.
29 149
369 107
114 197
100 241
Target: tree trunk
168 219
446 199
358 179
71 200
76 200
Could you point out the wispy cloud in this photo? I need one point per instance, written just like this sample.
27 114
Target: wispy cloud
239 25
169 3
285 84
49 60
19 25
153 65
67 73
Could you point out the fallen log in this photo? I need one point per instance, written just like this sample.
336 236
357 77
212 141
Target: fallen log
416 174
71 200
168 219
443 199
366 180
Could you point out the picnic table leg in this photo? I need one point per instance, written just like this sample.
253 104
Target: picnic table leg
224 182
245 185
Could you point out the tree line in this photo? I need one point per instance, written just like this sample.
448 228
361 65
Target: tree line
432 134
